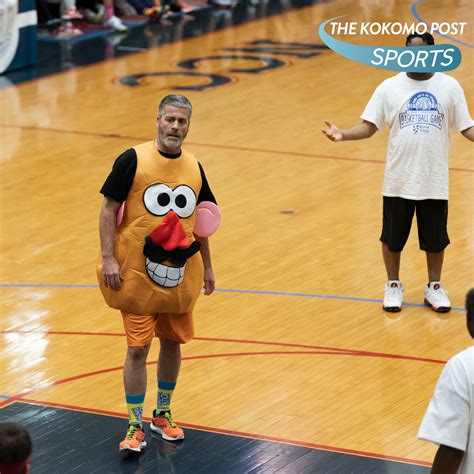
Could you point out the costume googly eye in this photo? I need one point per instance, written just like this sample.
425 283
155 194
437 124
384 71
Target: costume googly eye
184 201
158 199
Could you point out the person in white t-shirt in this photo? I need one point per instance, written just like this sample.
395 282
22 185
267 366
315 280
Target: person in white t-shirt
420 109
449 420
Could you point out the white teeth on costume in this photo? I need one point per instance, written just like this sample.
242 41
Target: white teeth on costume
159 271
162 275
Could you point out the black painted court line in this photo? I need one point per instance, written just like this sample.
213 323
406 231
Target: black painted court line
66 441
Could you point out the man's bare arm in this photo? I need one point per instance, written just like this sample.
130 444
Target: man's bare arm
209 279
107 224
447 460
360 131
469 133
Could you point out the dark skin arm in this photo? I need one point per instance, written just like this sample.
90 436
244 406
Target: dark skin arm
469 133
357 132
447 460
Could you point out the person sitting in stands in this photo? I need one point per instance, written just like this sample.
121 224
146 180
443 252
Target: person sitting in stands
103 14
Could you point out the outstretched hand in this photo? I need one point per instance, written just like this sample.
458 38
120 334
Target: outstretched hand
332 132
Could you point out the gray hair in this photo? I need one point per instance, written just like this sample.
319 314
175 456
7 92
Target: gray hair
175 100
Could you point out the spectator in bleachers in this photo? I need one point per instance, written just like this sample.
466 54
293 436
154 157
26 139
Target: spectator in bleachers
102 13
124 8
150 8
69 10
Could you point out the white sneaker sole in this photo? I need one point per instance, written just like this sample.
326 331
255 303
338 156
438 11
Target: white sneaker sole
135 450
157 429
441 309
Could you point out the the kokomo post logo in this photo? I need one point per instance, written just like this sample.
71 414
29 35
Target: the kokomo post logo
433 58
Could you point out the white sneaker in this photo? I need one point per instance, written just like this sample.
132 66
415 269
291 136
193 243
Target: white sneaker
436 297
116 24
94 17
393 296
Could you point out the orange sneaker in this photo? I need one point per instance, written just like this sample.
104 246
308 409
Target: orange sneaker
134 439
163 423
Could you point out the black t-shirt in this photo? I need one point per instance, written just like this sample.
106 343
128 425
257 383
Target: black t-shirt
119 182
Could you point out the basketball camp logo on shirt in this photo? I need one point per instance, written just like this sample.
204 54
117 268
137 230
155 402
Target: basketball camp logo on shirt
422 113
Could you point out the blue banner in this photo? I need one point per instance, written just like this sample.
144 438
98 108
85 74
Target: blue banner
434 58
18 21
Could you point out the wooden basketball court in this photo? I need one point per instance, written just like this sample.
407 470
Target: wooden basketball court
294 345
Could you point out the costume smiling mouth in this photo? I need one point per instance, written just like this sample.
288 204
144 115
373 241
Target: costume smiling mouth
163 275
168 243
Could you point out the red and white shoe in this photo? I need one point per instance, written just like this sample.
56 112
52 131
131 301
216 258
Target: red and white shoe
436 297
393 296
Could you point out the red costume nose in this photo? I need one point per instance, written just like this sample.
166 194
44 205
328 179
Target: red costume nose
170 233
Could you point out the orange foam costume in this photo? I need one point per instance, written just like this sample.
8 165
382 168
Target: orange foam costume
158 221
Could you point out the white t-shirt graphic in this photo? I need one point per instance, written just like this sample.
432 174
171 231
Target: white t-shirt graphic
420 115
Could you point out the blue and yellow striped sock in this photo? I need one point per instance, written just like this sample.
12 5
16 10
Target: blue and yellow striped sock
135 408
165 392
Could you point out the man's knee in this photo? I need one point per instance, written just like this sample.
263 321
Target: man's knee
434 247
170 345
392 246
137 354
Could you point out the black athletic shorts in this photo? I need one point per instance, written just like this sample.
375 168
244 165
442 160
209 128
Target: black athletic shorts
431 217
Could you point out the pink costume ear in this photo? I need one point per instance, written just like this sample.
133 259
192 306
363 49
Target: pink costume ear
208 219
120 214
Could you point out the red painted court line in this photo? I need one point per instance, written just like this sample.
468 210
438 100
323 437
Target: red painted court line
282 152
264 353
307 444
211 145
326 348
327 352
335 350
65 333
23 395
73 132
77 408
238 433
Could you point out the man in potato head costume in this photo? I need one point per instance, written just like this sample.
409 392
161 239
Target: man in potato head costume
157 214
